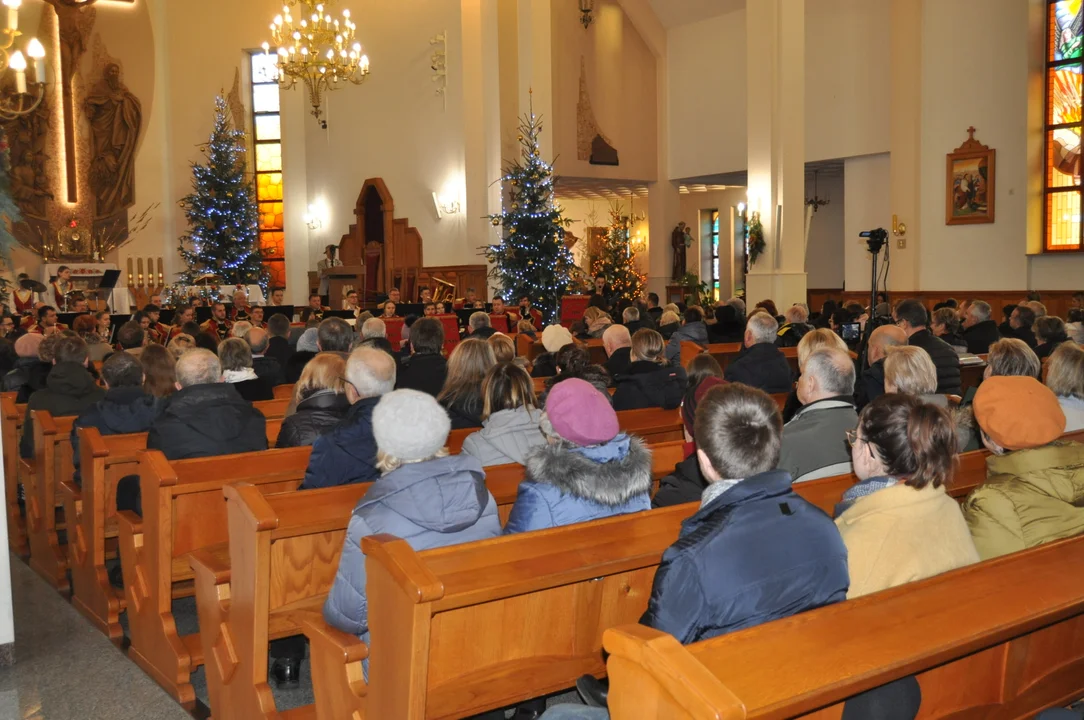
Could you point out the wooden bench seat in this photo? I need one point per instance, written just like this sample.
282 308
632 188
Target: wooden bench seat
11 423
1003 638
52 462
272 408
284 392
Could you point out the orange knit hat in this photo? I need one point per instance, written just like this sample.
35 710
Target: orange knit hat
1018 412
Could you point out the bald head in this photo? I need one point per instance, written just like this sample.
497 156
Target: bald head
883 338
829 372
257 340
615 338
198 367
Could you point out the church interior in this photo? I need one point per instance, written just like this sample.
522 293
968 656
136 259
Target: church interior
365 159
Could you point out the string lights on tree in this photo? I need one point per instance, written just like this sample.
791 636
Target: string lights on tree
614 260
532 258
223 237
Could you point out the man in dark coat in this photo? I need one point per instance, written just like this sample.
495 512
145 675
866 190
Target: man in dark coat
871 384
912 318
425 369
1021 322
125 407
278 345
347 453
729 327
653 309
980 331
69 389
266 368
796 327
617 342
762 365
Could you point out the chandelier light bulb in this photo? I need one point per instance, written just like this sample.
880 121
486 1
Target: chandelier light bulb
13 4
18 62
35 49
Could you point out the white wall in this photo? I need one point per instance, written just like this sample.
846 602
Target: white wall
867 190
824 252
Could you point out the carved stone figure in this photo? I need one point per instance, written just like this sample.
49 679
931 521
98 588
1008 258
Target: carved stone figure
27 186
677 240
116 117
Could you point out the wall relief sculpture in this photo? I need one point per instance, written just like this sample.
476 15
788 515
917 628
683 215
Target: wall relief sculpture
591 145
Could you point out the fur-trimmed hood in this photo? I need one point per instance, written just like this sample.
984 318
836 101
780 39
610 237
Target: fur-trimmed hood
613 483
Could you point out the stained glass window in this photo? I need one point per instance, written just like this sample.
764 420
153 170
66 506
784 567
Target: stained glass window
1062 182
713 237
267 134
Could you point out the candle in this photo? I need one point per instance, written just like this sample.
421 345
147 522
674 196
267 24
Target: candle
13 13
18 64
37 52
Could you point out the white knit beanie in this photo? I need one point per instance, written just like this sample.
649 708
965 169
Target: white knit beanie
556 337
409 425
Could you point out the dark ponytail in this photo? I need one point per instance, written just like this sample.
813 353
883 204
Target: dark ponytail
915 441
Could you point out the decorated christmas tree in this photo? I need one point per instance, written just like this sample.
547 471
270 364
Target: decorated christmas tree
9 215
222 239
614 259
532 259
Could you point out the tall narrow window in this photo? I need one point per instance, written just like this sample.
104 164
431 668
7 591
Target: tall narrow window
1061 207
267 139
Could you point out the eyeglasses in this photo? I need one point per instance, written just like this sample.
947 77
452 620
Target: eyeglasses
853 437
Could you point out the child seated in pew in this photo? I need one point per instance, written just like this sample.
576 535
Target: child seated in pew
588 470
898 523
1035 482
424 496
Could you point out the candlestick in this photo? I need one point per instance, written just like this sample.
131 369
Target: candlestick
37 52
18 64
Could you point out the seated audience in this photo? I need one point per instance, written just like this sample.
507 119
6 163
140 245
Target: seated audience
334 335
911 316
979 329
180 344
700 368
692 330
86 327
504 351
306 350
814 440
1075 325
871 385
1049 333
423 495
278 344
1065 377
769 306
236 358
595 321
554 337
574 361
125 407
461 395
478 326
510 418
1034 482
375 331
425 368
729 327
687 483
650 381
159 371
588 470
1011 357
669 323
795 328
761 365
1036 307
945 324
617 342
30 371
705 585
346 453
1021 323
266 368
653 309
630 318
1005 328
320 401
910 371
69 388
824 318
238 329
527 328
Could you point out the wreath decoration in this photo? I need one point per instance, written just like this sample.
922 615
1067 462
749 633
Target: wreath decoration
756 238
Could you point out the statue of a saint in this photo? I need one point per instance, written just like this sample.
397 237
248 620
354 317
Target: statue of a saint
677 241
116 117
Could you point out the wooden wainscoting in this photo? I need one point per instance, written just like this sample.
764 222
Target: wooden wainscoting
1057 302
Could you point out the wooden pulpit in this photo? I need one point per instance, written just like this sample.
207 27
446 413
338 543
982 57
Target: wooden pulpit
343 276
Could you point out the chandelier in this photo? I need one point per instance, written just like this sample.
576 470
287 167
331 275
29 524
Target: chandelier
316 49
21 95
586 8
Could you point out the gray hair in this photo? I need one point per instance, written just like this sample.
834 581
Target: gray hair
198 366
738 304
979 311
1012 357
371 372
833 369
616 336
910 370
240 328
763 327
796 314
234 354
374 328
258 339
479 320
1037 307
630 314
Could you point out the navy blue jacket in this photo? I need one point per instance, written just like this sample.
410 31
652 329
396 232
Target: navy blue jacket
122 410
347 453
757 552
761 366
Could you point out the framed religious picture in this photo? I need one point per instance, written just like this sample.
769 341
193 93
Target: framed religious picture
969 192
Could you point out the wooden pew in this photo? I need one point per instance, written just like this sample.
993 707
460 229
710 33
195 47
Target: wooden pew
183 510
284 392
52 463
593 345
1003 638
283 554
11 421
272 408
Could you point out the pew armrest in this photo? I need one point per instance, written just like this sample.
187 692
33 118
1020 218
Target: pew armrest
71 491
205 561
320 633
126 519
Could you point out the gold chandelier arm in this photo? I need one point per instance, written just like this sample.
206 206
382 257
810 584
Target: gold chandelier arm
10 110
7 38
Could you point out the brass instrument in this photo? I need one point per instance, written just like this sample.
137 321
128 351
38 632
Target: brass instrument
445 291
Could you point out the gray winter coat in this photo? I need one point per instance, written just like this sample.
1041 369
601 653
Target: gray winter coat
815 440
696 332
428 504
507 436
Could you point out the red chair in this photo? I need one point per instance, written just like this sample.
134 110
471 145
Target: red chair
499 323
451 332
395 331
572 308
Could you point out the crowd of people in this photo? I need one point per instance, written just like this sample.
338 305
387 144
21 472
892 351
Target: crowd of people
894 417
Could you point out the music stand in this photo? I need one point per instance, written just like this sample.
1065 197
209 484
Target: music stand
109 282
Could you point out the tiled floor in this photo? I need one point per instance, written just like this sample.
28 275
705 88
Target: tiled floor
67 670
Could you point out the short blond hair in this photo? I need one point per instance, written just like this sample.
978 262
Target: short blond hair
503 347
326 371
815 340
648 345
669 317
910 370
1065 371
181 344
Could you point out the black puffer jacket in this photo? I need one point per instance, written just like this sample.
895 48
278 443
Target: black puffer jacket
295 365
207 420
980 336
686 484
945 359
425 372
544 366
26 377
315 415
650 385
69 390
790 334
122 410
465 412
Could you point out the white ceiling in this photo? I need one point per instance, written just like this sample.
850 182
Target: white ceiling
672 13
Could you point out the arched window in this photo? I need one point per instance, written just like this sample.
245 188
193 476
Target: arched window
267 142
1062 186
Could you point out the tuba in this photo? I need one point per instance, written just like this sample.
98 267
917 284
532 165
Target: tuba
444 291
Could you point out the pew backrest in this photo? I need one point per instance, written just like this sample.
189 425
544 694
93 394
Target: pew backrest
272 408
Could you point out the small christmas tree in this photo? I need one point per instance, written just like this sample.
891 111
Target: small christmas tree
9 215
223 239
532 259
614 259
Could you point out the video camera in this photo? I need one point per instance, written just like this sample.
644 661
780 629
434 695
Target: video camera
875 239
